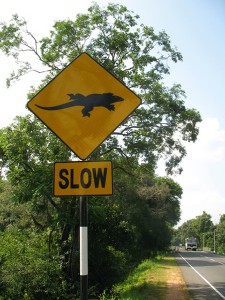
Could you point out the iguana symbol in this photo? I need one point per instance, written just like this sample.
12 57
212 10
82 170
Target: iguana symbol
89 102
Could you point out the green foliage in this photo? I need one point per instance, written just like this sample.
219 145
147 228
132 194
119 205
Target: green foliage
138 56
219 235
11 214
10 36
146 281
138 219
27 267
122 230
209 235
200 227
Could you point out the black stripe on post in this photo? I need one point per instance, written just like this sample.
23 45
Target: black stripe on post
84 287
83 211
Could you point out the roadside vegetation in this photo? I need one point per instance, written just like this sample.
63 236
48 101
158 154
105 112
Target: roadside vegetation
39 233
210 236
157 278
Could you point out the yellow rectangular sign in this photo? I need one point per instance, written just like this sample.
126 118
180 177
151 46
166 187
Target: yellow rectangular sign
83 178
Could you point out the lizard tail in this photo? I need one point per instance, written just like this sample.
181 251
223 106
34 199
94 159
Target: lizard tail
57 107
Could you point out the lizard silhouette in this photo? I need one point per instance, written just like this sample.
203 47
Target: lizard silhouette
105 100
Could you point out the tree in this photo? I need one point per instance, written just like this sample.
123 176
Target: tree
219 235
137 56
122 229
200 227
204 222
11 213
27 269
161 196
29 151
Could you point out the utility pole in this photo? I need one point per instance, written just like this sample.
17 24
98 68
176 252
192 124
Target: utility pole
203 244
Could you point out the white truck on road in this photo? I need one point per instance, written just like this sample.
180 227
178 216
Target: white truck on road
191 243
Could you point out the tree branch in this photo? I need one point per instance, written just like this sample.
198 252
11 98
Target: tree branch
36 223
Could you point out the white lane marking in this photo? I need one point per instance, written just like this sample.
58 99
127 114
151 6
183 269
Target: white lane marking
221 295
214 260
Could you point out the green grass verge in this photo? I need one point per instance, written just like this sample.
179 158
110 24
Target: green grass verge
147 281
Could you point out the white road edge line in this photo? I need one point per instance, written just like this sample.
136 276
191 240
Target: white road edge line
221 295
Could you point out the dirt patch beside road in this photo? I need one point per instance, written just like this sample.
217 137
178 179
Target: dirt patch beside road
177 289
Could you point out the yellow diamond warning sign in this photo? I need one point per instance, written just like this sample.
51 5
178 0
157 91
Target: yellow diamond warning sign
83 105
83 178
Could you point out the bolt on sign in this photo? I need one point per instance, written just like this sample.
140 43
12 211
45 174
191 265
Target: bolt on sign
83 178
83 105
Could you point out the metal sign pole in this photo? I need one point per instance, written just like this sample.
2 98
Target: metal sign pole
83 248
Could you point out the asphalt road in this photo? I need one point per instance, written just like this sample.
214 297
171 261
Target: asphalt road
204 274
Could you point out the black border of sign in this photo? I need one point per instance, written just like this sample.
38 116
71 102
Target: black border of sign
83 159
75 162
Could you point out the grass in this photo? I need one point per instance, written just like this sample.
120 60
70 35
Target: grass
147 281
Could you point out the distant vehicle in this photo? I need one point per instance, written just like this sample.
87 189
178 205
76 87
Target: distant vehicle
191 243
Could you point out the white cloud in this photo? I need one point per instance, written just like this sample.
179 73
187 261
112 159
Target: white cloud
202 178
40 16
210 143
196 201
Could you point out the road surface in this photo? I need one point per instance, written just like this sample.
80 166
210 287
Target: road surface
204 274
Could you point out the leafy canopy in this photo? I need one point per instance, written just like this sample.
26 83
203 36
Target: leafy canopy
137 56
137 219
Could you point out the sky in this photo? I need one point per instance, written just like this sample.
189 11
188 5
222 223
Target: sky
197 29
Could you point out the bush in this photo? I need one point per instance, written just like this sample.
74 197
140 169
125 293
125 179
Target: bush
27 270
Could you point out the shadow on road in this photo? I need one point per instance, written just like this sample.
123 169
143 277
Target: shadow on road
198 293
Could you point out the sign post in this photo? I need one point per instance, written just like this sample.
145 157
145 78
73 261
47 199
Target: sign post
82 179
83 248
82 106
